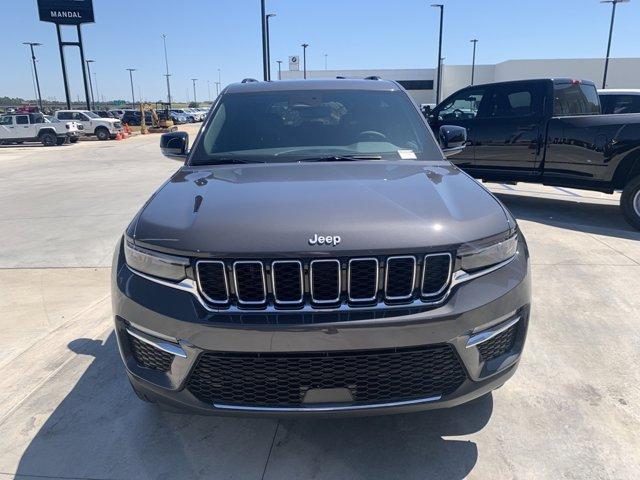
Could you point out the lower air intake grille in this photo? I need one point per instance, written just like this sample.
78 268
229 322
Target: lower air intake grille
282 379
148 356
498 345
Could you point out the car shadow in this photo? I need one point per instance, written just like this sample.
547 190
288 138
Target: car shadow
101 430
598 218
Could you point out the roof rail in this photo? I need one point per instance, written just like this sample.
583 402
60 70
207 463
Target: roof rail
373 77
248 80
341 78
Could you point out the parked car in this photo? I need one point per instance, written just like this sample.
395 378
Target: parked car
178 118
316 254
546 131
105 114
32 127
73 129
117 113
133 118
190 116
614 101
103 128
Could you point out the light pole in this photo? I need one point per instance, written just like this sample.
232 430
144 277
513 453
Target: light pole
209 90
269 15
441 7
93 102
279 62
217 88
133 97
304 59
325 61
265 64
35 68
613 16
194 90
166 64
473 62
95 81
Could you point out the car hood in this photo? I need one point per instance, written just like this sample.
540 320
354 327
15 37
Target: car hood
374 206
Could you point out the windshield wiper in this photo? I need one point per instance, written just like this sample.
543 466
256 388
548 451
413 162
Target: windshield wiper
341 158
230 161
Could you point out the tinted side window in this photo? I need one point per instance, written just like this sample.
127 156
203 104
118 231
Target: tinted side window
6 120
575 99
22 120
462 105
620 103
515 100
65 116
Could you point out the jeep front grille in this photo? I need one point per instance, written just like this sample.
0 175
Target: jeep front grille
324 283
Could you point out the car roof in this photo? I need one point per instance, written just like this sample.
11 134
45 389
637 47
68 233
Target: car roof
617 91
555 81
315 84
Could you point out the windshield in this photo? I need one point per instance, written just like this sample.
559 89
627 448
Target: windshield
90 114
296 125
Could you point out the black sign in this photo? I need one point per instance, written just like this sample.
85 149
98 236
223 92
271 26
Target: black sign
66 12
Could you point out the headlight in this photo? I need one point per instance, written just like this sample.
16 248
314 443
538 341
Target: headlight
488 256
154 263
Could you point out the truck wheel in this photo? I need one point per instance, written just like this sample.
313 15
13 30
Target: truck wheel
630 202
61 141
73 139
48 139
102 133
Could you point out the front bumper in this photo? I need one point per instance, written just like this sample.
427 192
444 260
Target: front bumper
174 319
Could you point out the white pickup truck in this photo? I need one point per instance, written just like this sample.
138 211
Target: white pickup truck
34 127
103 128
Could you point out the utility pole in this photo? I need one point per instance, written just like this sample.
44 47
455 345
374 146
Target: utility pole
217 88
265 65
35 69
194 90
614 3
269 15
166 65
304 59
133 97
325 61
279 62
209 90
441 7
473 62
93 102
95 81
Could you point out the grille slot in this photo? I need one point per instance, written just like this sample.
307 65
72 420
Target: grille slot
212 281
498 345
436 273
287 282
400 277
250 282
363 279
282 379
325 281
148 356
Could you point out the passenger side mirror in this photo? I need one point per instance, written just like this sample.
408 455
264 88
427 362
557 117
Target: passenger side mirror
175 145
453 139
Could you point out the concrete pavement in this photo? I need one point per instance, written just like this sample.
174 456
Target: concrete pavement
66 409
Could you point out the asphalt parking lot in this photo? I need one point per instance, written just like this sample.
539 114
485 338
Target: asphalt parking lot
67 411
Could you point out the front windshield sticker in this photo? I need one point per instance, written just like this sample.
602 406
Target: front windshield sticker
407 154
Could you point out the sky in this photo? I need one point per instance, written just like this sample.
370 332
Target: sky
206 35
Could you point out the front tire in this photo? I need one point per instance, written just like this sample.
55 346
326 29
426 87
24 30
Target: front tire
102 133
48 139
74 139
630 202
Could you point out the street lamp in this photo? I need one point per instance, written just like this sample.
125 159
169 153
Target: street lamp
95 81
133 97
166 64
279 62
473 62
441 7
209 90
93 102
268 16
194 90
304 59
613 16
325 61
265 64
217 88
35 68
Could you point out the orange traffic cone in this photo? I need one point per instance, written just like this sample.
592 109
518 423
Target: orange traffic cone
118 136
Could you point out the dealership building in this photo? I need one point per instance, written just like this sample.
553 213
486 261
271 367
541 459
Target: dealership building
420 82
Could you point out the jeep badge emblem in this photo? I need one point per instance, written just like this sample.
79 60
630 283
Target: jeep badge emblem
324 240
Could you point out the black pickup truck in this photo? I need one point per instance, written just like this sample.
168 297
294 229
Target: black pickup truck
548 131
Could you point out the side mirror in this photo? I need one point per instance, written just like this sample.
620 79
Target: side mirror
453 139
175 145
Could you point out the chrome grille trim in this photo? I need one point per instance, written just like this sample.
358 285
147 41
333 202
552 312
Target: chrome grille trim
339 267
366 259
424 272
226 281
386 278
264 284
273 282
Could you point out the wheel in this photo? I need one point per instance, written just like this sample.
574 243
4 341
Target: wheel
48 139
102 133
73 139
630 202
61 141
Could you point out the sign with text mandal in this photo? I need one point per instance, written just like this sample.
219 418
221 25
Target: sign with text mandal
66 12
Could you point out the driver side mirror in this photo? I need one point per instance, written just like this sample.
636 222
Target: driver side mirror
452 138
175 145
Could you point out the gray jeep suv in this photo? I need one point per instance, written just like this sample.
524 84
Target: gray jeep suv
317 254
